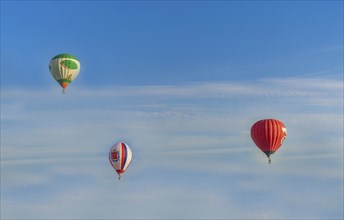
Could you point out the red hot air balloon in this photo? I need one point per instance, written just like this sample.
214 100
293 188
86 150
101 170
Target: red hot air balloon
268 135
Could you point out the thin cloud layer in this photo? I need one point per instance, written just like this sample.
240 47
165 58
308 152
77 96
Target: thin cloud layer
192 149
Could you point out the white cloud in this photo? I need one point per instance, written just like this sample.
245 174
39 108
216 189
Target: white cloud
179 134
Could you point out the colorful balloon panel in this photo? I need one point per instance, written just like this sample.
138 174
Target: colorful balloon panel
64 68
120 156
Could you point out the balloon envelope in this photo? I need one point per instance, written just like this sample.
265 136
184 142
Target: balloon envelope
268 135
64 68
120 156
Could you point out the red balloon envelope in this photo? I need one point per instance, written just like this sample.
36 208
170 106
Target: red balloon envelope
268 135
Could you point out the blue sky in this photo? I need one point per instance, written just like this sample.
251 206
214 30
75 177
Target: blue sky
182 83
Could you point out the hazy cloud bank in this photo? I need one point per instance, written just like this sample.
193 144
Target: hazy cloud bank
192 149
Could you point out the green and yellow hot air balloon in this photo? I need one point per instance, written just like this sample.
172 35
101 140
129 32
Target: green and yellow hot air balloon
64 68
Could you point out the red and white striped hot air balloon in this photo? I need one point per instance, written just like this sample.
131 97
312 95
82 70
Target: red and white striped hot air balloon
268 135
120 156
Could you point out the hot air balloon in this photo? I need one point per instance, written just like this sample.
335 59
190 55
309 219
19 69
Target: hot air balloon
64 68
120 156
268 135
